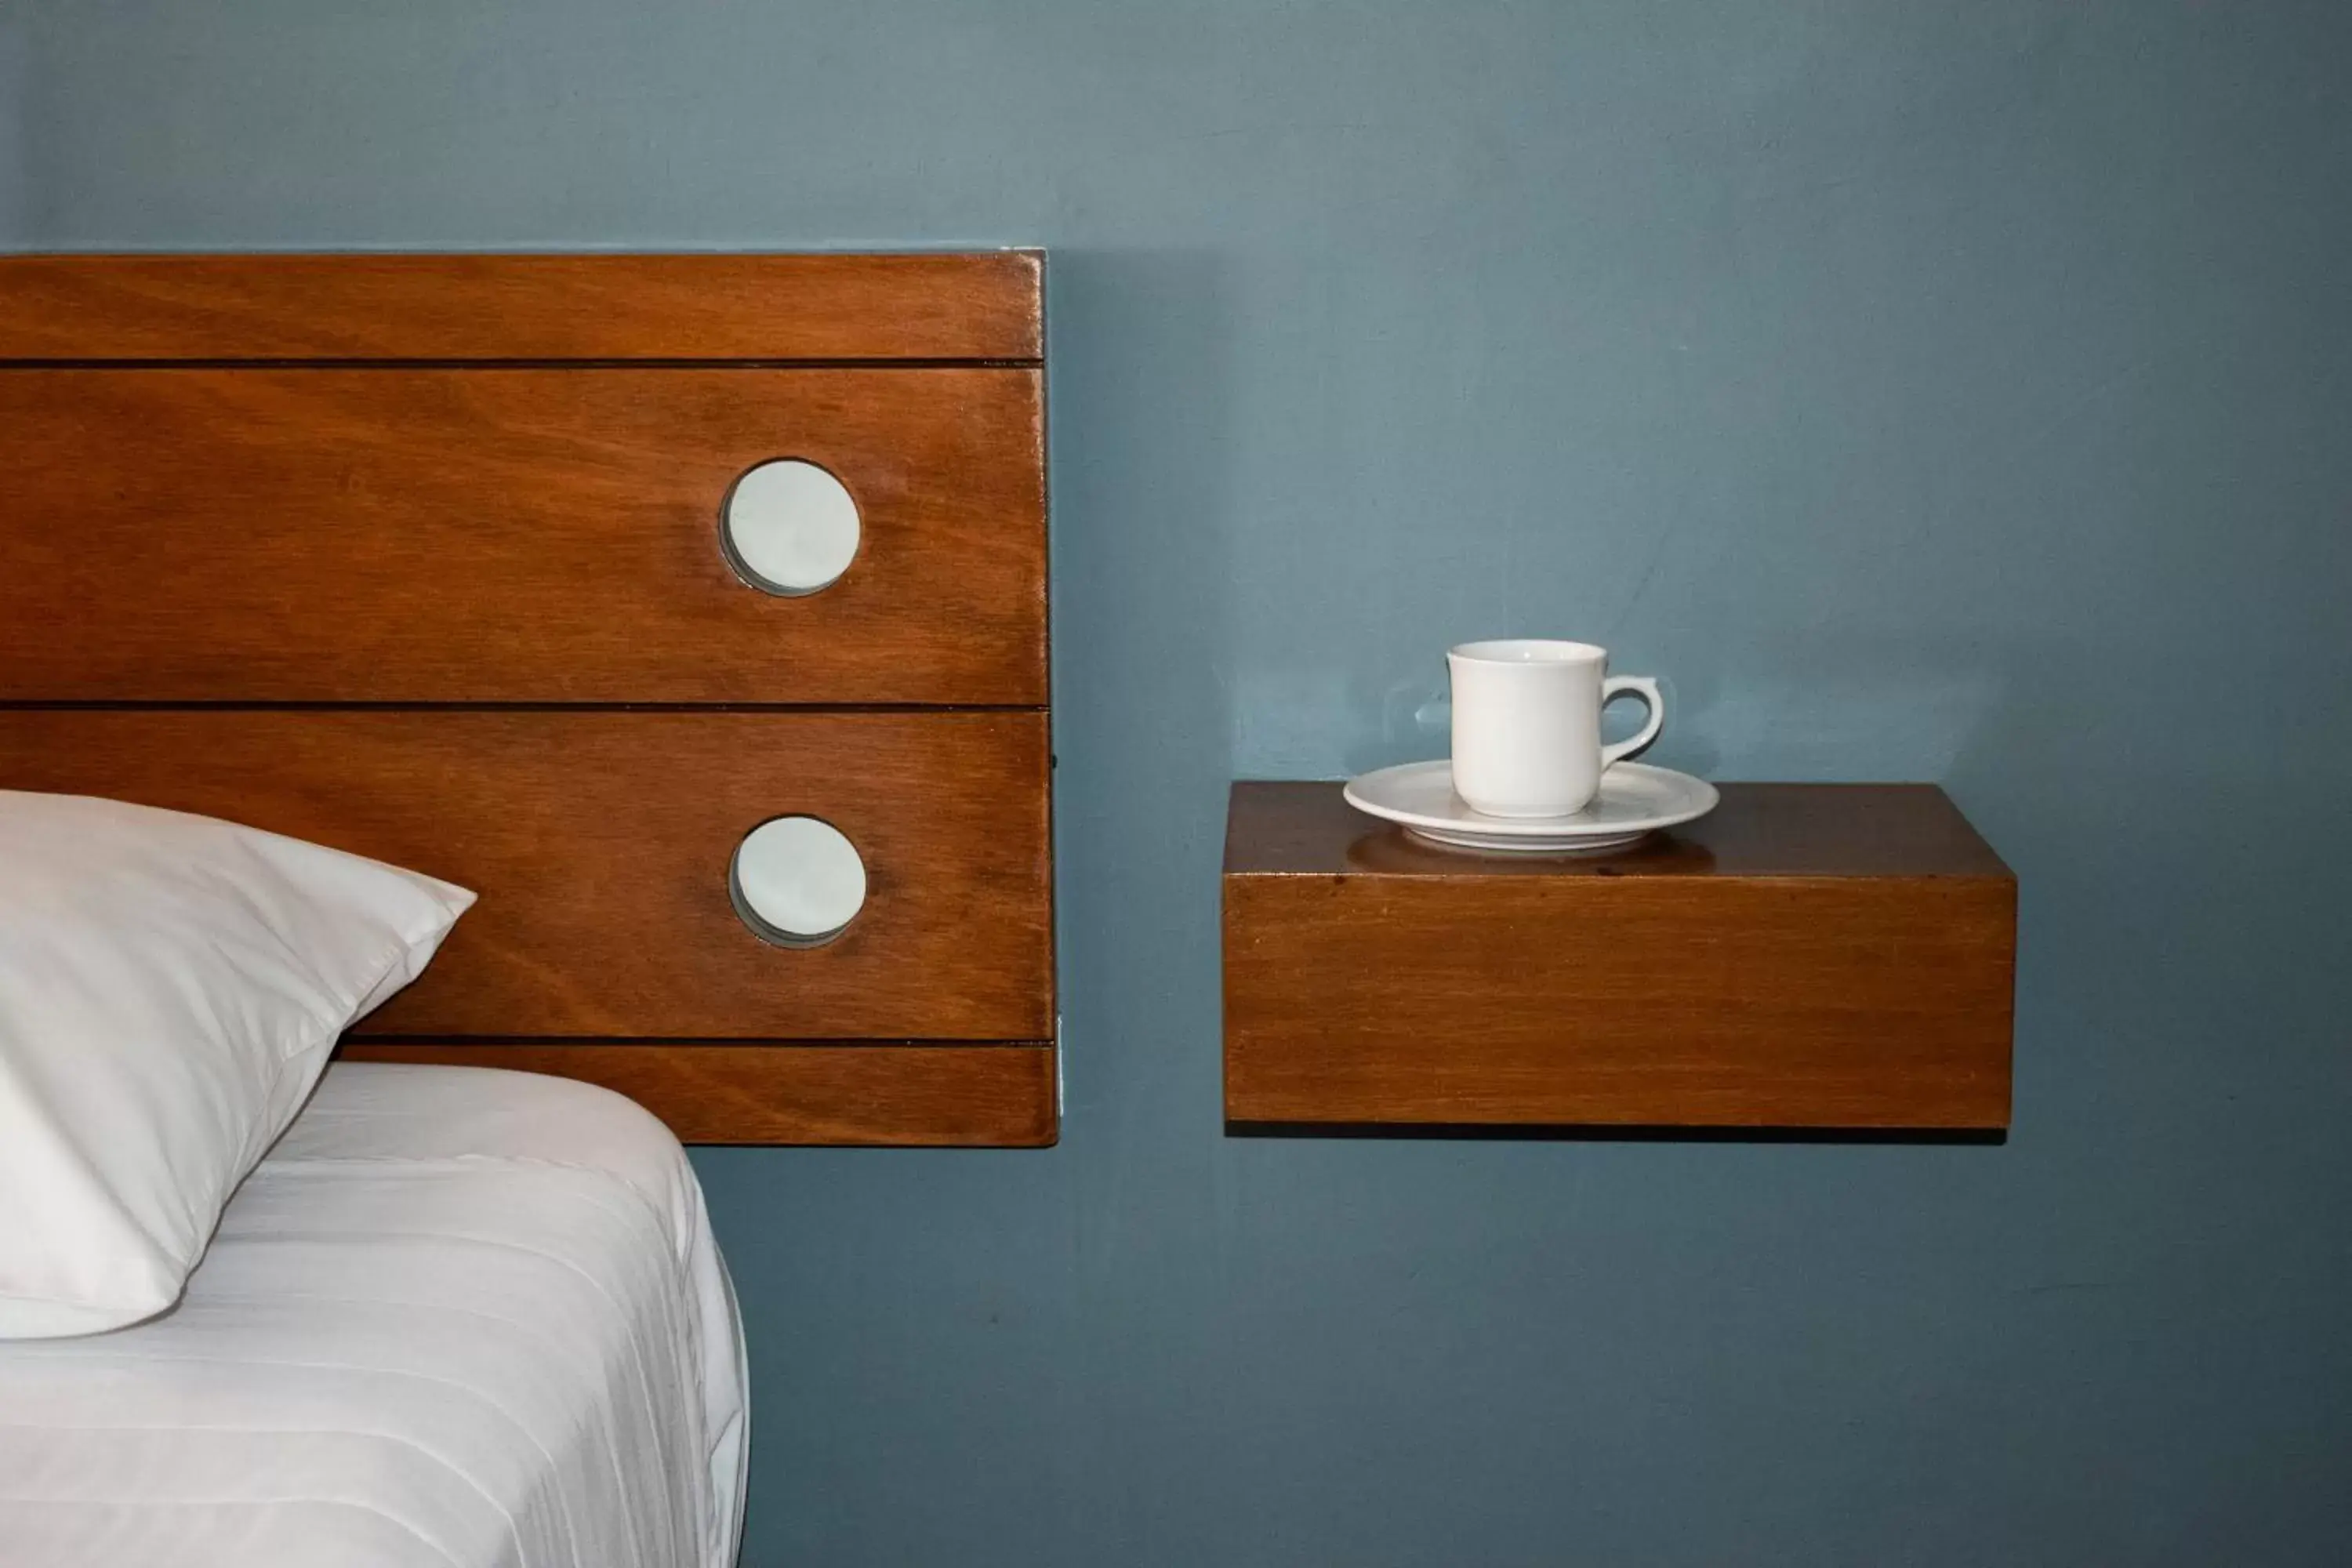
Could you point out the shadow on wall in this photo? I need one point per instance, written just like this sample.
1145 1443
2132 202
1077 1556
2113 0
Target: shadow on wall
1142 467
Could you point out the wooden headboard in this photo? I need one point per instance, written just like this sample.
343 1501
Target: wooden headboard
420 557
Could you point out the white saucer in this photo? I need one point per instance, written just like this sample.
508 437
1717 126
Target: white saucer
1635 799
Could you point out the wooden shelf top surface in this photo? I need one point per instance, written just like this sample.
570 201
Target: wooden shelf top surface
1768 830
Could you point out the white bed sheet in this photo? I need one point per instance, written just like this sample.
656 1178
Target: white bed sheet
458 1317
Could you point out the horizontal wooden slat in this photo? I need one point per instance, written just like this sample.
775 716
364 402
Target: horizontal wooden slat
1000 1096
510 535
600 843
977 306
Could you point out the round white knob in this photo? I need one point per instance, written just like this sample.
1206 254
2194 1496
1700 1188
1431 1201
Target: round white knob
797 882
789 528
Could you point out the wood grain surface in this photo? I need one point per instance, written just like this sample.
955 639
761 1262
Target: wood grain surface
600 843
320 535
419 556
1294 829
1815 957
967 306
999 1096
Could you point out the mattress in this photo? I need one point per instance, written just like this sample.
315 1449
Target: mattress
458 1317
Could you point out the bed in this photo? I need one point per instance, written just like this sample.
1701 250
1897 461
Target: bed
457 1317
443 561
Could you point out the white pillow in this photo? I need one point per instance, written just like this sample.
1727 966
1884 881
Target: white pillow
170 989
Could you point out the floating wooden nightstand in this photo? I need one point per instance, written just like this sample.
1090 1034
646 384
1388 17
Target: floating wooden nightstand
1807 956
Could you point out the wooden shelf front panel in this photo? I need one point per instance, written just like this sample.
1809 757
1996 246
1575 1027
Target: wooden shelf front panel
1807 956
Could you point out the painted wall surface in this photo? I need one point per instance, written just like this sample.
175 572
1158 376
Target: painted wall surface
1944 391
15 228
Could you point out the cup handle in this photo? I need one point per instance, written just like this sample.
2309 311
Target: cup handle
1644 688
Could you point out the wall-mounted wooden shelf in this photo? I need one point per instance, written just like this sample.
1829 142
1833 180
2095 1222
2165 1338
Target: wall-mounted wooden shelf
1807 956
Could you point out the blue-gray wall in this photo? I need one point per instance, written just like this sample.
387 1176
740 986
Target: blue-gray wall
13 85
1953 391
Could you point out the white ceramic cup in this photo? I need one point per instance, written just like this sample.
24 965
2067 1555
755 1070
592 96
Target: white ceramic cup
1526 725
